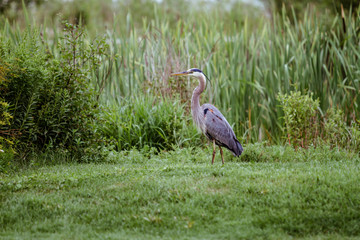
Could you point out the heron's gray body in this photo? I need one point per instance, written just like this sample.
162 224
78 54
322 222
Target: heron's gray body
212 123
210 120
217 128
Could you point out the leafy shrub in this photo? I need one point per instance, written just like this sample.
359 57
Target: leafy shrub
337 133
5 116
300 115
151 122
4 121
26 74
354 132
6 152
335 129
52 101
6 160
303 127
6 143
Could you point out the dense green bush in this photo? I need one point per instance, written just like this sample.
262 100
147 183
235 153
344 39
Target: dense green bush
337 133
148 121
354 136
52 101
300 117
335 128
5 116
304 125
6 135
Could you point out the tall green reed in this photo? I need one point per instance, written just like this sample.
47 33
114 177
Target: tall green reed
247 66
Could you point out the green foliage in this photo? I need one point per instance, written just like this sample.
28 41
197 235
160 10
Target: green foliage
26 75
300 117
99 16
354 132
247 67
305 127
337 133
6 160
330 7
249 62
335 130
5 116
148 122
6 139
8 6
178 194
52 101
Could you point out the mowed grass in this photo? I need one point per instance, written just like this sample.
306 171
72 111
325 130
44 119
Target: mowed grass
270 193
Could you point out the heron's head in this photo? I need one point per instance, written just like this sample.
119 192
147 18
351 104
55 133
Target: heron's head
190 72
194 72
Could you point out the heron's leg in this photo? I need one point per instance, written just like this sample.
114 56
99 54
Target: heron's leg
222 156
212 162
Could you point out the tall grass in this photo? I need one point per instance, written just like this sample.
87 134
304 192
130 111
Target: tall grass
148 122
248 66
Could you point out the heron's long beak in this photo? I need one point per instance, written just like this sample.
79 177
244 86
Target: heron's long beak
179 73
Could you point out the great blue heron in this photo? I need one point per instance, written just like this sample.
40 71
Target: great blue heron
210 120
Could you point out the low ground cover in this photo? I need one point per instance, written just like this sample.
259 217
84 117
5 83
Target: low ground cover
271 192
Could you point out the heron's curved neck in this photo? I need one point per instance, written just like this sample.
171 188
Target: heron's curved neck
195 100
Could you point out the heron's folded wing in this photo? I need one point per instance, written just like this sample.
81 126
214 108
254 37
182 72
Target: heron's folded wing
218 128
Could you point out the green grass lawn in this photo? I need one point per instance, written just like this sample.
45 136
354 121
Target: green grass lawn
271 192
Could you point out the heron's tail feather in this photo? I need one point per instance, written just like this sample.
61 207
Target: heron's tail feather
234 146
238 149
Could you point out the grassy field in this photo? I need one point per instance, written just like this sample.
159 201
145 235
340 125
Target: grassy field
269 193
